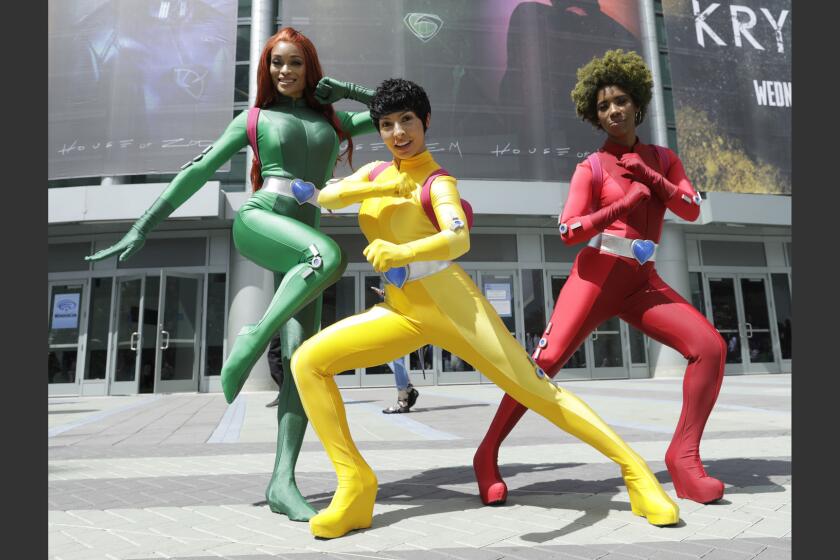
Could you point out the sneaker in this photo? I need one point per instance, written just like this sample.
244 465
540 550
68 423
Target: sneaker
400 408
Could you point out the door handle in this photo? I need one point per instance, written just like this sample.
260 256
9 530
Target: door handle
166 344
749 329
132 341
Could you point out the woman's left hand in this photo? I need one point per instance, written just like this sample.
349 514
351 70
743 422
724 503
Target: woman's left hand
384 255
329 91
640 171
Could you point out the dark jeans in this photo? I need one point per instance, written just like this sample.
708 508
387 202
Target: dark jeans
275 362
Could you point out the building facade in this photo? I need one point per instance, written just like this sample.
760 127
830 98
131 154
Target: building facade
162 320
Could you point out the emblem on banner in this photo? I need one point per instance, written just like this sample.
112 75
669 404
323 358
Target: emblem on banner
423 26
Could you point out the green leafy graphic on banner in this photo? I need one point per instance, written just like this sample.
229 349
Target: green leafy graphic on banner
715 162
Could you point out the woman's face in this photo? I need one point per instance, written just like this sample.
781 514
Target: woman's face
616 112
288 69
403 133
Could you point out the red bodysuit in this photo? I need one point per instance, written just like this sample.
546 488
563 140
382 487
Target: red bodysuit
603 285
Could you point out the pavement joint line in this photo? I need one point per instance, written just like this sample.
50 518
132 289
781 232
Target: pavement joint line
260 532
413 426
60 429
230 426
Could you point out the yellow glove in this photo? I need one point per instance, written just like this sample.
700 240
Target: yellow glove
384 255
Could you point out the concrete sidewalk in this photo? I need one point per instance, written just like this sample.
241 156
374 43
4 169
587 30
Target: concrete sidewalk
183 476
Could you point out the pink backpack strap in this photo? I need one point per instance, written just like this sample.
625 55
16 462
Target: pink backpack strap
597 176
374 173
426 199
664 159
251 129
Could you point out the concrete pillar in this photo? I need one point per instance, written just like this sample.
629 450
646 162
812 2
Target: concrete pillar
650 52
251 287
672 266
263 26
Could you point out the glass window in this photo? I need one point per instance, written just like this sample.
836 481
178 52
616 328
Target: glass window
63 257
672 139
179 251
668 101
637 346
698 300
661 35
215 323
556 251
534 307
664 70
243 43
783 304
244 9
98 327
491 247
240 83
733 253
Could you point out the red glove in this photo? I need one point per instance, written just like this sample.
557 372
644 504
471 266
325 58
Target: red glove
640 171
637 194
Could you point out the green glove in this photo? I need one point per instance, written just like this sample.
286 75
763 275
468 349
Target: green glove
329 91
135 238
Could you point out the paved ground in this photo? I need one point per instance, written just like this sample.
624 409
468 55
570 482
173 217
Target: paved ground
182 476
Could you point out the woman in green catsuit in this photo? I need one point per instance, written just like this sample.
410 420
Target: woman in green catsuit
297 134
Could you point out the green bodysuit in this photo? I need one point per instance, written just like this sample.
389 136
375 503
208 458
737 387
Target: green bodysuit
276 232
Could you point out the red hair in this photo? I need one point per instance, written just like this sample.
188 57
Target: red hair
267 94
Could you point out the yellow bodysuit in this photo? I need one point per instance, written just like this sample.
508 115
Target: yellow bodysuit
444 308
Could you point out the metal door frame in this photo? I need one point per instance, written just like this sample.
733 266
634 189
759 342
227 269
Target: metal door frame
122 387
179 385
56 389
746 366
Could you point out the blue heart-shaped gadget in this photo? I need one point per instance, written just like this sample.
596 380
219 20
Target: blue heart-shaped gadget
642 249
397 276
302 190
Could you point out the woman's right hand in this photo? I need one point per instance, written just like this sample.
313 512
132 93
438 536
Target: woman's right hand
402 186
131 242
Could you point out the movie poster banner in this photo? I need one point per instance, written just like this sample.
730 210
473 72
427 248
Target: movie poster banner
730 68
137 86
499 73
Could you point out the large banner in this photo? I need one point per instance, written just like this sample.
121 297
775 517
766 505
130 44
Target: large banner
498 73
730 66
137 86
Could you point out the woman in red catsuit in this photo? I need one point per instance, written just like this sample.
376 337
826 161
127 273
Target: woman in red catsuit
621 216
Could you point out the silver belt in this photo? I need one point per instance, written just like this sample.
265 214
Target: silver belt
285 187
401 275
642 250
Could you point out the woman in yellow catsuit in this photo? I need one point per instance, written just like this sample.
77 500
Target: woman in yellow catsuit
437 304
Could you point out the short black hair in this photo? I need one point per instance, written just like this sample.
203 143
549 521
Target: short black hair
396 94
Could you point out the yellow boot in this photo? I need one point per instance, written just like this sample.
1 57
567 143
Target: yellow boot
352 504
647 498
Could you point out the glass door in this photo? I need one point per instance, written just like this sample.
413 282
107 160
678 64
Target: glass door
740 309
758 330
64 336
608 350
179 333
128 336
340 301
